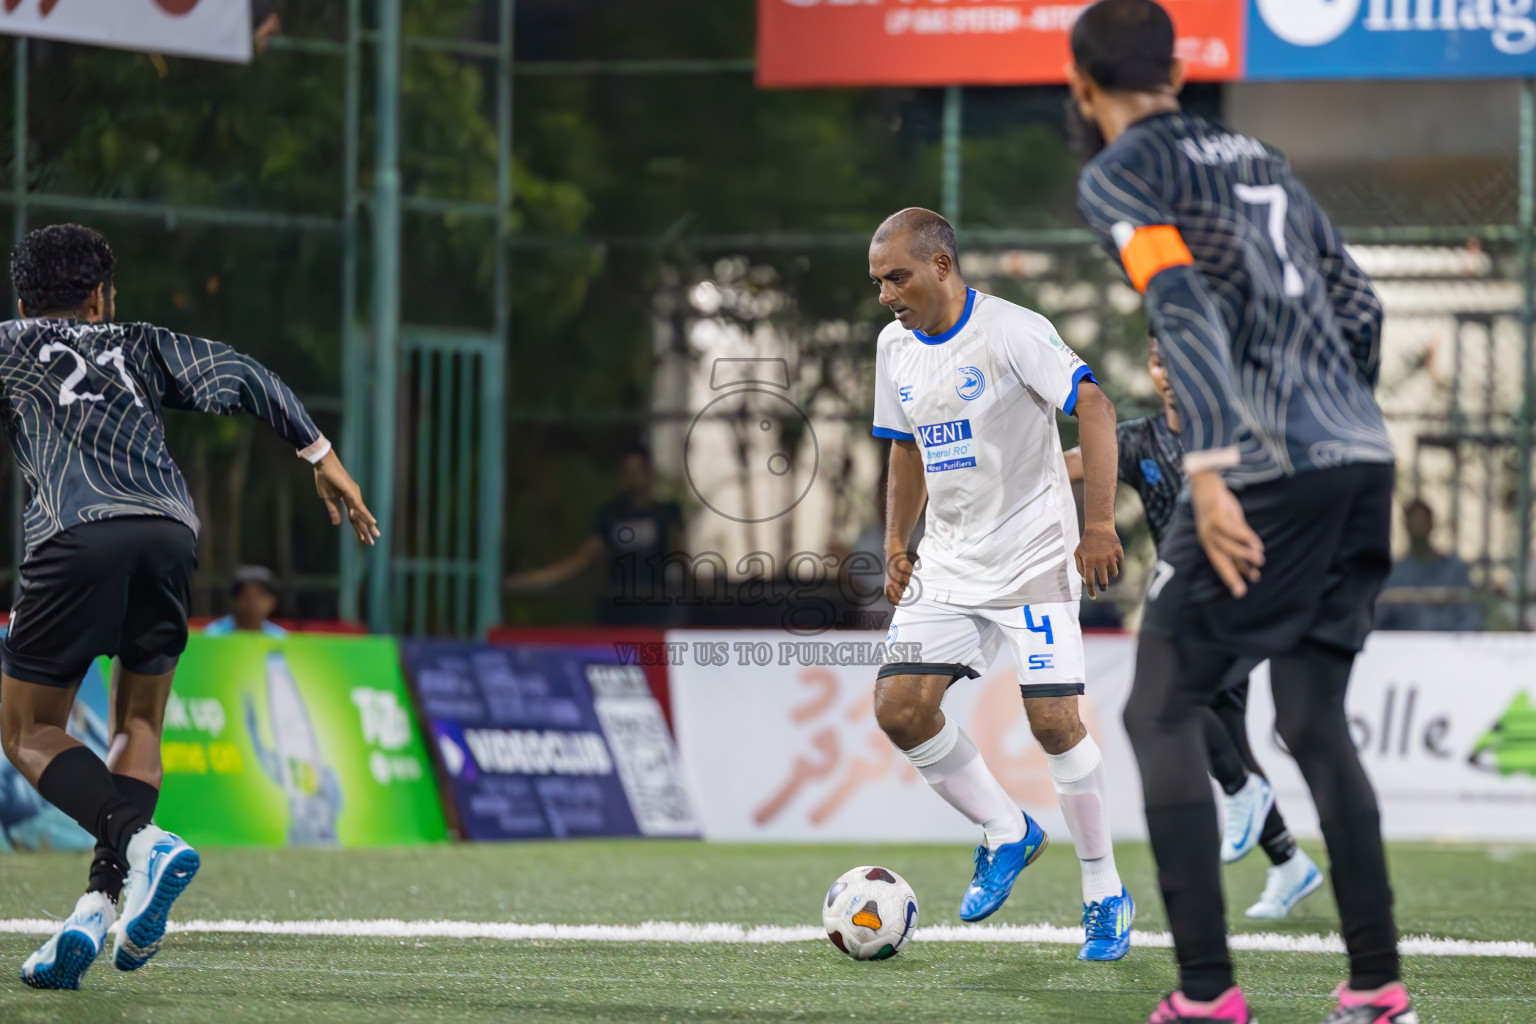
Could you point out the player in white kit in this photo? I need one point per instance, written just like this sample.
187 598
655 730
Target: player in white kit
967 387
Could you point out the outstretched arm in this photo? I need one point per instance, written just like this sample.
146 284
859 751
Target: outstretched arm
558 572
209 376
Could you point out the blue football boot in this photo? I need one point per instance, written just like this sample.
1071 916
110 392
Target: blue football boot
997 870
1108 927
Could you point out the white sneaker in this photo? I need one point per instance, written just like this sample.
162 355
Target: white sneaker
1287 885
66 957
1244 813
160 866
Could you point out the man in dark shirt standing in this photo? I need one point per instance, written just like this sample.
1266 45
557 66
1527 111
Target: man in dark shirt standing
1271 335
635 535
1152 461
111 536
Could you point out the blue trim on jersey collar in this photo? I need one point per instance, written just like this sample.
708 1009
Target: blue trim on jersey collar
1083 373
895 435
939 339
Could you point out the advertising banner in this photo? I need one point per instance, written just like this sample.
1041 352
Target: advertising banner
779 741
549 740
778 747
1446 726
215 29
814 43
966 42
1390 39
307 741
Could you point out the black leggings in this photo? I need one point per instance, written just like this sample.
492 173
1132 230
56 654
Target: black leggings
1232 760
1166 718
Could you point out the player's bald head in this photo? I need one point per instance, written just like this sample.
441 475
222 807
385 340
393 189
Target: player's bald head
925 233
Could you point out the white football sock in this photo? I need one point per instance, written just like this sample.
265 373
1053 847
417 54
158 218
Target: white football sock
1079 778
951 764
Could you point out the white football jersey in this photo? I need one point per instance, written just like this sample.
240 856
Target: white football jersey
980 400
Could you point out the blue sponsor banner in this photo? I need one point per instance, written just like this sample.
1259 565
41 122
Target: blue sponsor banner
548 740
1333 39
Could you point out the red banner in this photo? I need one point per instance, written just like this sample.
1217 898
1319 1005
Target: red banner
802 43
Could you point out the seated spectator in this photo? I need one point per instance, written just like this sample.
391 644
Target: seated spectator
254 596
1428 591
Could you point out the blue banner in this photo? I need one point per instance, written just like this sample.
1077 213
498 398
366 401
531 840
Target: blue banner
548 740
1333 39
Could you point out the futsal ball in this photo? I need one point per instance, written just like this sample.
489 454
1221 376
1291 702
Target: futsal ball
870 913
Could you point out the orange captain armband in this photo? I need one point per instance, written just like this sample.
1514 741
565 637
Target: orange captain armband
1146 252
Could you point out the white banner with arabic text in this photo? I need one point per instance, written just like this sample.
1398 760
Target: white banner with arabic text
790 750
777 747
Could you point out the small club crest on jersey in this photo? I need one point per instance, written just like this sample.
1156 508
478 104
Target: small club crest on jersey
972 383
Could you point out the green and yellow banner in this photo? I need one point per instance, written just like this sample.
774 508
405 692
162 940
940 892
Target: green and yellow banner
304 741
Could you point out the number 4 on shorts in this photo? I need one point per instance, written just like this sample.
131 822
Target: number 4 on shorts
1044 627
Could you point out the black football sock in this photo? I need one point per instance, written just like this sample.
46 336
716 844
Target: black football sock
108 869
1276 839
78 783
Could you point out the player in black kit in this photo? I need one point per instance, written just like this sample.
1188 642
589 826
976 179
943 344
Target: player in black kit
111 539
1152 462
1270 334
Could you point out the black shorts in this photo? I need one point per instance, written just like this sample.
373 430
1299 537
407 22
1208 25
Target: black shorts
119 588
1327 552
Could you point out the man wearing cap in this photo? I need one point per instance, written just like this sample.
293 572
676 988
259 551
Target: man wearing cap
253 595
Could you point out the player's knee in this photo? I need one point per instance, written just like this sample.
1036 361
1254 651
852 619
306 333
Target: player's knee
15 725
1057 735
10 735
905 720
1306 734
1140 716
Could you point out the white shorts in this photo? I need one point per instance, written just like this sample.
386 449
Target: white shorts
1046 641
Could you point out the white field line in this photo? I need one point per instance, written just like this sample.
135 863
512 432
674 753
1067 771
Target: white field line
687 932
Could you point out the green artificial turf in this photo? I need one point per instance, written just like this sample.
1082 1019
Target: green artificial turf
1463 892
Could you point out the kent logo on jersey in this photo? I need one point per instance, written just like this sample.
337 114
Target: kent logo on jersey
947 445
